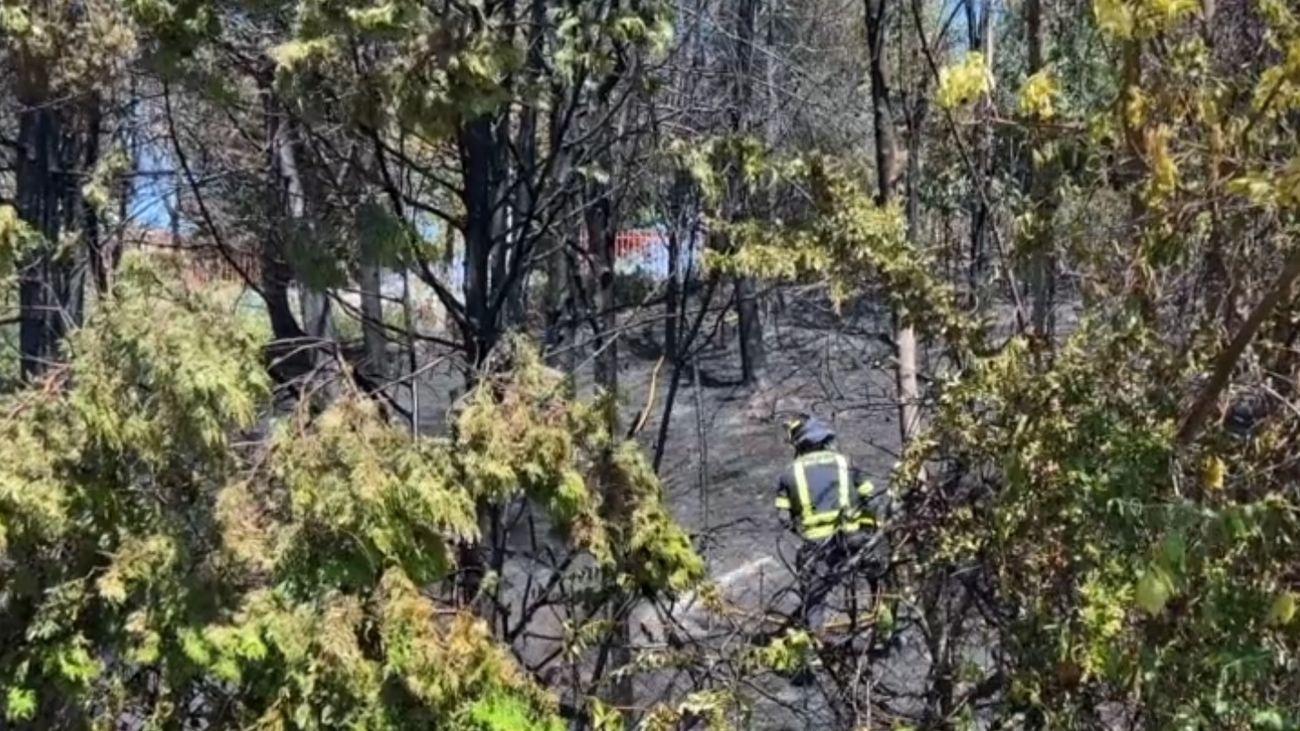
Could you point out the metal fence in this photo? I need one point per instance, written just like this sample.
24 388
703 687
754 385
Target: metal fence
645 252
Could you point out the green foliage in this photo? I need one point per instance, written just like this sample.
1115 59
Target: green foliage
20 704
655 553
318 259
1123 573
147 384
845 240
1128 19
64 46
788 653
383 238
145 558
528 436
17 239
507 713
711 163
1038 96
708 708
98 190
1137 569
588 35
476 56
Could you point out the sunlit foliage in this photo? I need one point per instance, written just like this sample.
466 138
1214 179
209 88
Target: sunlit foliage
157 564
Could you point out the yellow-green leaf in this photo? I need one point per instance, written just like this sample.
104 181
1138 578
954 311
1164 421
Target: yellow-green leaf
1037 99
1283 609
1212 473
1153 591
965 82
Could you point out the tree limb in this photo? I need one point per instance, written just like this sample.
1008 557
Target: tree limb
1227 360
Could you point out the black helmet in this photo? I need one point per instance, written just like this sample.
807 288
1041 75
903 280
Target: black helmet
808 432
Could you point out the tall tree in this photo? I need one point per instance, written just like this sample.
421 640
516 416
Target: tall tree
59 55
980 35
1041 183
890 169
753 356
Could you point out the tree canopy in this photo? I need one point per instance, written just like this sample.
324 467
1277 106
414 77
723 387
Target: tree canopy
419 363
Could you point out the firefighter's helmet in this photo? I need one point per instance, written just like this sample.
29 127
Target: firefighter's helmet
808 432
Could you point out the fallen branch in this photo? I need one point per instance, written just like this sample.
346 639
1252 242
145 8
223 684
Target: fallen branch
1227 360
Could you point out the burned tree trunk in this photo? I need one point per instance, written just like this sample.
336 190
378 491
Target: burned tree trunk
275 272
753 356
52 151
1042 200
479 161
980 32
302 233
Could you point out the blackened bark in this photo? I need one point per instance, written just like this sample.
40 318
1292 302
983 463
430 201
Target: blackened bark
600 239
882 113
478 159
1043 201
275 272
300 229
981 40
753 356
41 181
373 335
102 261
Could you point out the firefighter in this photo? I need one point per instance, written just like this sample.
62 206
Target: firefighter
833 509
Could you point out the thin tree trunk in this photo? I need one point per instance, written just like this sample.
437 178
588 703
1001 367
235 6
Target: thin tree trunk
600 238
558 303
79 156
526 173
373 334
601 231
109 253
888 172
92 236
503 237
559 299
981 39
1226 361
478 159
275 272
753 356
1042 202
673 296
314 302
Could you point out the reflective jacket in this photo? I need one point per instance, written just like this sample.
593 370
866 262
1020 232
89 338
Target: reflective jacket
825 494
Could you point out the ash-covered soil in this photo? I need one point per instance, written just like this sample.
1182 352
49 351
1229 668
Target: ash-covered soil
724 450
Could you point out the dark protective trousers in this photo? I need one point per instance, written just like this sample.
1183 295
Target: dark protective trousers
822 566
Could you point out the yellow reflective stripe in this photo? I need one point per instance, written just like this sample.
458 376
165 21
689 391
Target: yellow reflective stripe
818 458
843 465
819 531
866 488
783 503
805 498
825 530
